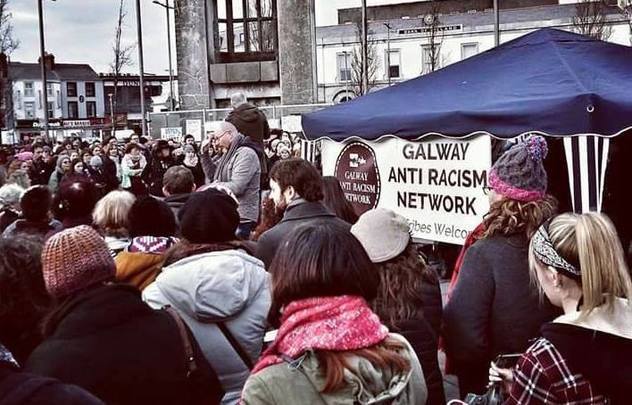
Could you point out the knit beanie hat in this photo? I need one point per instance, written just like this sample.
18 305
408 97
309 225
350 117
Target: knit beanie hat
391 239
74 259
209 216
519 173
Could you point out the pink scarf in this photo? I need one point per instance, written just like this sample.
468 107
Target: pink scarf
324 323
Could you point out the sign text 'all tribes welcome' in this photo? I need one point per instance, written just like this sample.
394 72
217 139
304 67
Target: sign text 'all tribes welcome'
436 184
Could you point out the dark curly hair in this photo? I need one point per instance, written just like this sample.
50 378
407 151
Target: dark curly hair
23 297
509 217
399 297
270 216
300 174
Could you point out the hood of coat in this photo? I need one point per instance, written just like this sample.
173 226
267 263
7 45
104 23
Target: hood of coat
369 384
246 112
213 286
599 346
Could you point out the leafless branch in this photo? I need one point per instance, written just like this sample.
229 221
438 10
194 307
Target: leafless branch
591 19
7 42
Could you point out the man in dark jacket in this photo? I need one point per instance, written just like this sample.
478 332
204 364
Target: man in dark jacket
103 338
297 188
156 168
177 186
248 119
42 167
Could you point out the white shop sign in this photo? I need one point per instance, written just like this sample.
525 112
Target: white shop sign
194 127
436 183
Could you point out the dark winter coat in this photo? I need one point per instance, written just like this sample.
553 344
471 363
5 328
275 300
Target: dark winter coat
17 388
424 342
175 202
198 174
7 217
493 309
250 121
109 174
41 229
295 215
154 174
40 171
106 340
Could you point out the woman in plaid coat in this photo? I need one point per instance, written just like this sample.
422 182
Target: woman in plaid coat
584 356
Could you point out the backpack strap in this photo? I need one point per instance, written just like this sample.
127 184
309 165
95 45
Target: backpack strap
236 346
186 342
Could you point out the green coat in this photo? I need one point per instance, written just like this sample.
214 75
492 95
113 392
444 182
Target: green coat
286 384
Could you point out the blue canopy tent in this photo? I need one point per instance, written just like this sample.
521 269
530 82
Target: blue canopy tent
550 82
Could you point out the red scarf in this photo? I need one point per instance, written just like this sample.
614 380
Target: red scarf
324 323
469 241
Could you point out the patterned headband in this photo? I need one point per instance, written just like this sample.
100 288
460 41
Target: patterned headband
545 252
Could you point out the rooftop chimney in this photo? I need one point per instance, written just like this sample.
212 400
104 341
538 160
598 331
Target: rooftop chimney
49 61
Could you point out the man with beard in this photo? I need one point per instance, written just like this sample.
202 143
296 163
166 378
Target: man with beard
297 188
42 166
238 170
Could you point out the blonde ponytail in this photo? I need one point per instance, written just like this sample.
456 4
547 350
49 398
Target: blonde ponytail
605 274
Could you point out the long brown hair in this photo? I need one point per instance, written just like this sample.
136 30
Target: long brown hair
401 281
336 201
509 217
270 216
383 355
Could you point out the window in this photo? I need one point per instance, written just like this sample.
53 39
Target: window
49 90
246 30
71 89
73 109
90 90
344 66
392 60
51 109
29 109
58 97
18 99
91 108
29 89
468 50
429 59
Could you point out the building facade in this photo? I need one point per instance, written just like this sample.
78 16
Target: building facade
416 40
73 99
262 48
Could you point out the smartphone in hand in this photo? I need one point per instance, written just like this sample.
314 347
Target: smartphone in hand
507 360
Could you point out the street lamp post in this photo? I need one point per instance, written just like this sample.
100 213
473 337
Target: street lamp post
388 52
111 113
141 69
496 24
167 7
43 66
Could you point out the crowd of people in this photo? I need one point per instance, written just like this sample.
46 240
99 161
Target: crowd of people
161 273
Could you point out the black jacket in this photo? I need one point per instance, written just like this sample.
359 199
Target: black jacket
493 309
155 172
294 216
603 358
175 202
109 342
17 388
109 174
250 121
424 341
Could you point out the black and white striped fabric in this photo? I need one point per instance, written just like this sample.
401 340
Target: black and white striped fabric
587 158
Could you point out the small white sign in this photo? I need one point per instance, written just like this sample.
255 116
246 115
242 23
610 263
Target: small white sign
194 127
291 123
174 133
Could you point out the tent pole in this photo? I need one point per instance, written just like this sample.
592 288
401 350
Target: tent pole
496 24
365 62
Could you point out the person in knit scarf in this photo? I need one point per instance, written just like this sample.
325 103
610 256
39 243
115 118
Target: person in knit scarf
330 347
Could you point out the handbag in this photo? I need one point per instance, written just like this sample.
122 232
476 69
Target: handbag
493 396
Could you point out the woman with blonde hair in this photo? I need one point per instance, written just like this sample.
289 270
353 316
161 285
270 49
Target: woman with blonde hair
584 355
110 218
491 309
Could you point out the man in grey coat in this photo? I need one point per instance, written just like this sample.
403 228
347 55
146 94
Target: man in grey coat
238 170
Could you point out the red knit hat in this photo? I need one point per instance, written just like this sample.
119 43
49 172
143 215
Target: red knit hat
74 259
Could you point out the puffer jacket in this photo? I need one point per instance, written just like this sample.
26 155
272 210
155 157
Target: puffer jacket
227 286
302 381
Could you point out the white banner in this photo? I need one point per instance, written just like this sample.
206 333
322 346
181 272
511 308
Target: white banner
437 184
174 133
194 127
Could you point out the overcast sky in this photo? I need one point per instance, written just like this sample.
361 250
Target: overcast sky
82 31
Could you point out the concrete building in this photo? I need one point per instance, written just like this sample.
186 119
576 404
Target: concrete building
462 29
73 98
263 48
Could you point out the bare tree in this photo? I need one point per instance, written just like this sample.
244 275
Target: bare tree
435 40
591 19
7 42
357 67
122 54
625 7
